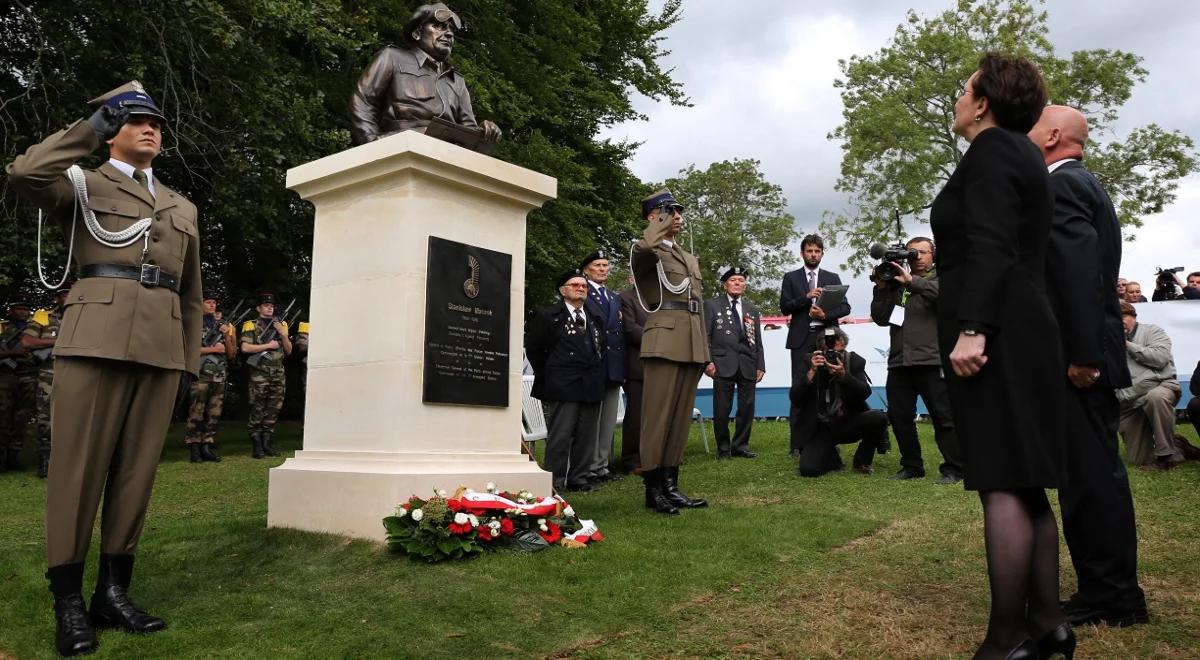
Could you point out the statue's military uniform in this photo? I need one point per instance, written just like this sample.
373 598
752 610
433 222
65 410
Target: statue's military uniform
18 384
207 393
45 324
267 381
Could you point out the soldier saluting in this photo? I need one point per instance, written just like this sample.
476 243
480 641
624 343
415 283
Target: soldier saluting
265 341
131 327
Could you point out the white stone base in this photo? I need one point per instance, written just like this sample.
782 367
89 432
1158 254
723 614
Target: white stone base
358 489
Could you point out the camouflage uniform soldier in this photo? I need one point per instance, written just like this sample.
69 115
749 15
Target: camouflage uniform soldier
207 393
18 381
39 338
265 342
301 347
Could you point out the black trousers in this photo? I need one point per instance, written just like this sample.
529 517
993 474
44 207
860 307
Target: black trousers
723 402
1097 507
631 428
799 372
1193 411
820 454
904 384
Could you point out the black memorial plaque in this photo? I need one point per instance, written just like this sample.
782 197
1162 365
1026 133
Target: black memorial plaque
467 305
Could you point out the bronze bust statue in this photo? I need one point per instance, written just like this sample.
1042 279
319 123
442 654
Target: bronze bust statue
410 87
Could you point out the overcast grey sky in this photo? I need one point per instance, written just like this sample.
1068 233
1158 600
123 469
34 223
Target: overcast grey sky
760 76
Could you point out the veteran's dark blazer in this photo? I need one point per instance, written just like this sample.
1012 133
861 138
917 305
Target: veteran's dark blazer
728 341
567 361
608 308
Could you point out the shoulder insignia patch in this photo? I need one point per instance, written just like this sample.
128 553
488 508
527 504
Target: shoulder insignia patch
248 326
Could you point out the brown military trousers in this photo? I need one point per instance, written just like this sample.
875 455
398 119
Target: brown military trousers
108 419
667 401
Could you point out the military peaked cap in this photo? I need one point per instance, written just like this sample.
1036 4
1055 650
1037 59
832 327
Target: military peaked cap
210 294
661 199
19 303
266 299
131 96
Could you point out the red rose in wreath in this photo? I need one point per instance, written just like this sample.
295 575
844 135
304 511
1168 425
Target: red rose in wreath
552 534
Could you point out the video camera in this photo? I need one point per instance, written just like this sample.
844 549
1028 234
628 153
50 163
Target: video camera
1164 280
887 254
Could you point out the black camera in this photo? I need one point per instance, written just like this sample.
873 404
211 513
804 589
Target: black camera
833 357
1164 281
898 253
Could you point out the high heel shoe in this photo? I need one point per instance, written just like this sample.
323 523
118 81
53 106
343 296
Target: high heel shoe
1060 640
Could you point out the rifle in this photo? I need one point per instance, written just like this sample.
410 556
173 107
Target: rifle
269 336
8 345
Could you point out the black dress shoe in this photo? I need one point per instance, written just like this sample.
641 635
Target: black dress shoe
111 605
194 452
1060 640
745 453
207 454
73 634
1026 650
864 469
884 446
948 479
655 498
906 473
1086 615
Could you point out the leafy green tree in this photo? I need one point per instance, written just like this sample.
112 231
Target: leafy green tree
254 87
897 145
735 217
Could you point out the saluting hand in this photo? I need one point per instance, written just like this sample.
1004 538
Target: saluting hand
967 358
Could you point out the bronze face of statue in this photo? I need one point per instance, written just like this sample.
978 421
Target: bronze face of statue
405 88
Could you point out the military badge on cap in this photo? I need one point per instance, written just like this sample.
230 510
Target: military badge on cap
266 299
734 270
567 277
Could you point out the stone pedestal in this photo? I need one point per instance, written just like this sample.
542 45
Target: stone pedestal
369 441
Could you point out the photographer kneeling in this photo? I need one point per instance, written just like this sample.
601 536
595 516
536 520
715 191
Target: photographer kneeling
832 402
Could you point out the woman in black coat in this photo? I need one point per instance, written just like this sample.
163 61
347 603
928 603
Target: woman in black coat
1000 346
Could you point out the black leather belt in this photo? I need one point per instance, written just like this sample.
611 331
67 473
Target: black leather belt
147 274
692 306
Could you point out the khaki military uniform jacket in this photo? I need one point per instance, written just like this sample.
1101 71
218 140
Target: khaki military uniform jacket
671 334
112 318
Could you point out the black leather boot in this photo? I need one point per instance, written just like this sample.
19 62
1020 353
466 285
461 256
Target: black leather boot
672 493
43 463
73 633
256 445
111 605
194 450
654 493
207 454
14 460
266 444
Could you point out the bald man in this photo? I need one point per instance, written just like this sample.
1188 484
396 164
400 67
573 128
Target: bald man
1082 266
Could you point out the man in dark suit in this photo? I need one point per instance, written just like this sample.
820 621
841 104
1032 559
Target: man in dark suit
801 288
633 317
832 397
566 350
1082 266
605 305
131 327
738 361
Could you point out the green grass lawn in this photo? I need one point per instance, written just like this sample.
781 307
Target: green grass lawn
842 566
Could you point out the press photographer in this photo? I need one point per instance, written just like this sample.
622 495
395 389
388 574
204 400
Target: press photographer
833 410
905 301
1167 285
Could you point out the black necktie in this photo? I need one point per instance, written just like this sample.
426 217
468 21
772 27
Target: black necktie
737 317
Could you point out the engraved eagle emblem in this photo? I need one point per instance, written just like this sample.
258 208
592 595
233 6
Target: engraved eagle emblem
471 284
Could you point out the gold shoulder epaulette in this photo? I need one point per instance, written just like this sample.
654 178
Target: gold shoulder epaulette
42 317
303 327
248 326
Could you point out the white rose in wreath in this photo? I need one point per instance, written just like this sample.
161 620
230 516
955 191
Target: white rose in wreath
460 519
417 515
